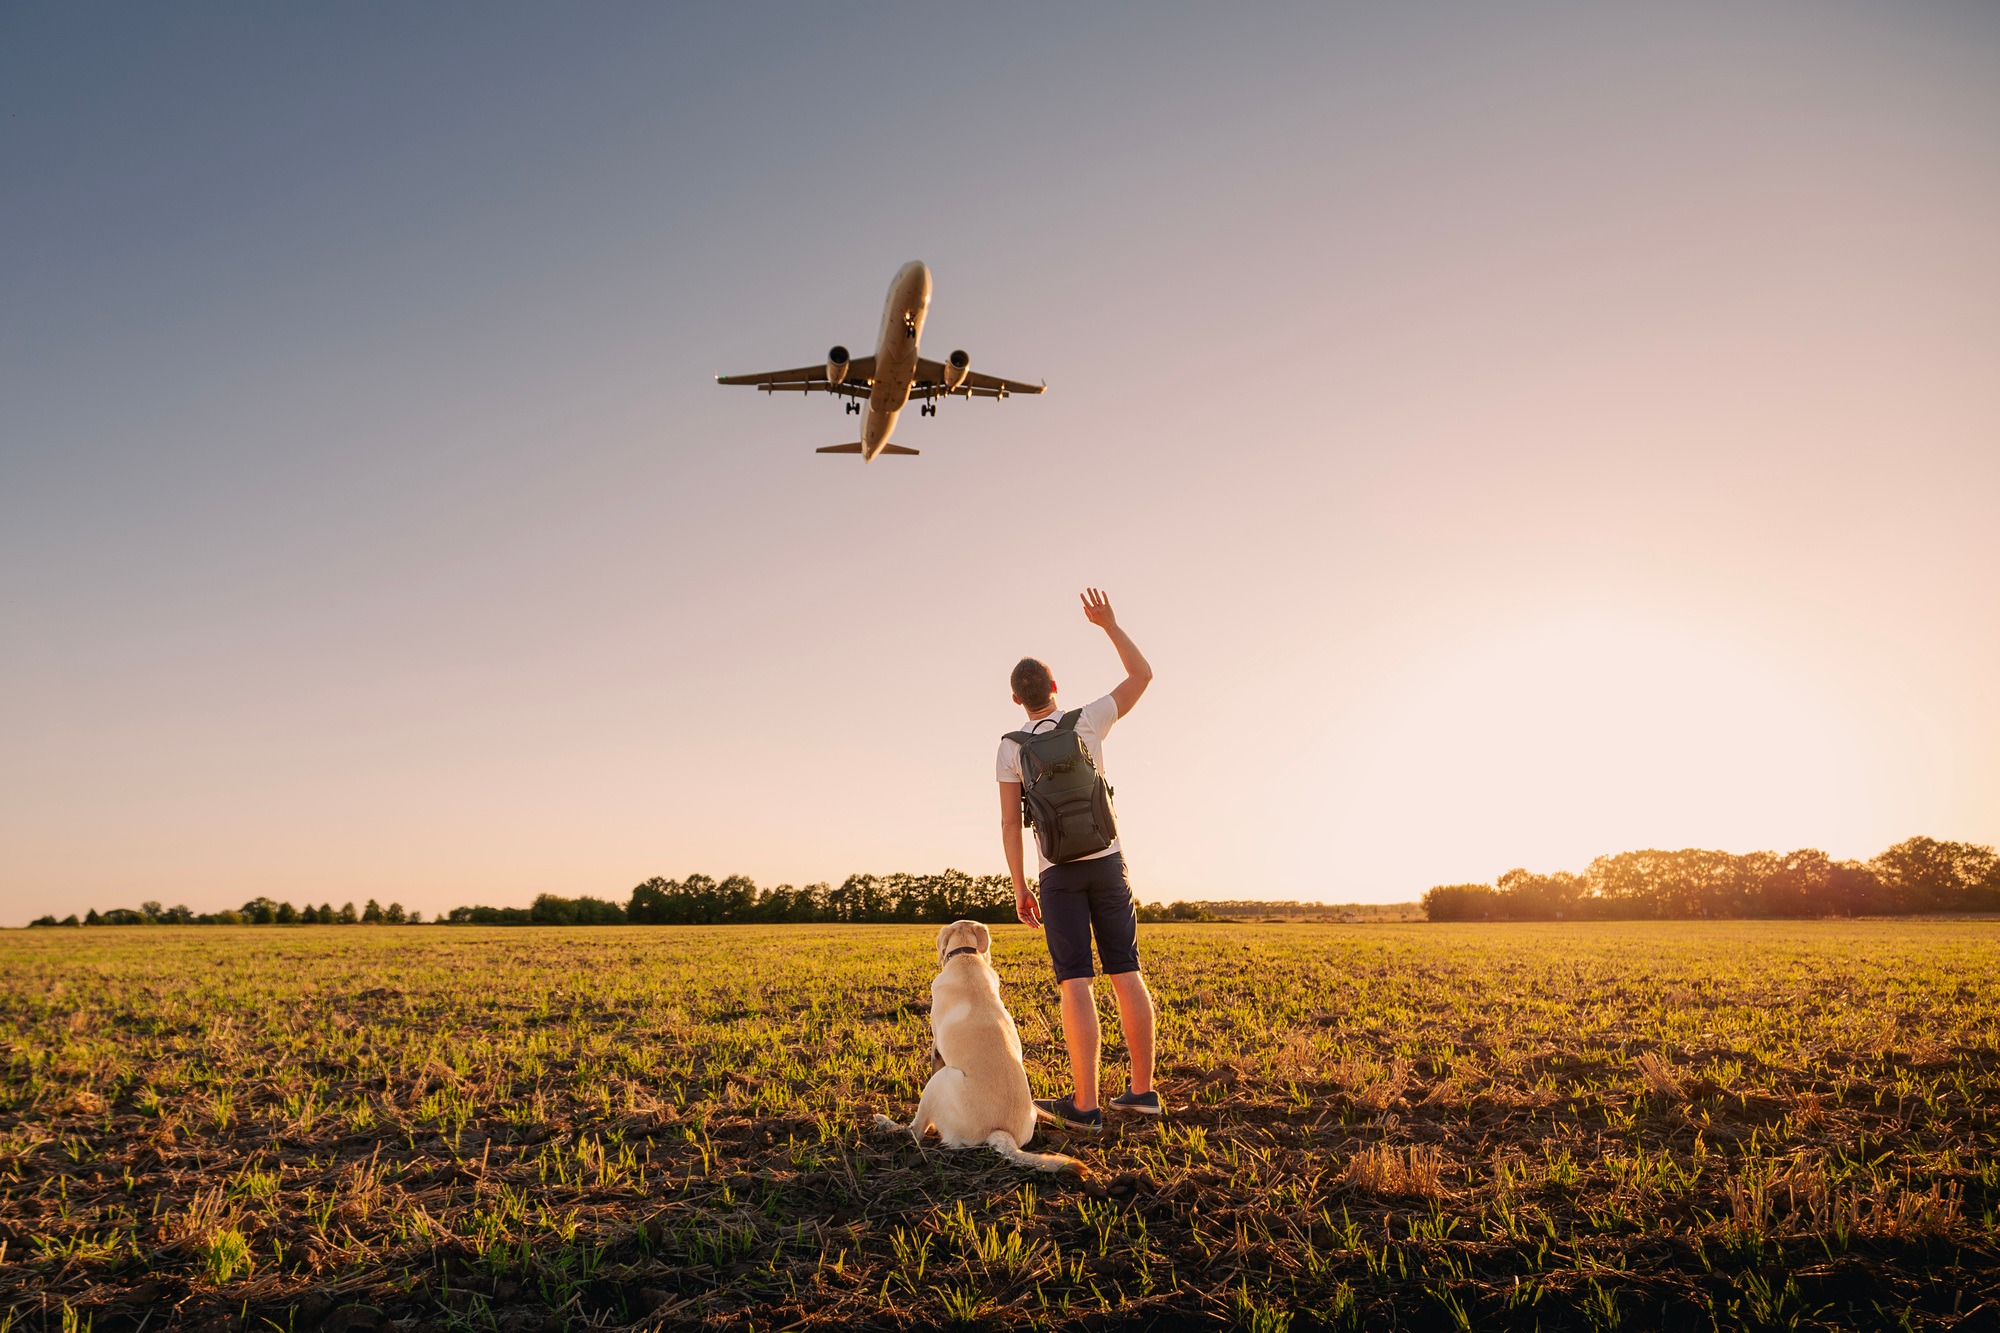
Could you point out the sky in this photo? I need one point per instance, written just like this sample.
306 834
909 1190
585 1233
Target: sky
1514 434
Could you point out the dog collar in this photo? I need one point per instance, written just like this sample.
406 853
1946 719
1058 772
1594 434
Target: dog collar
963 948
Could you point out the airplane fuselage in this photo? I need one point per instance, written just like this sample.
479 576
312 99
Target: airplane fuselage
895 356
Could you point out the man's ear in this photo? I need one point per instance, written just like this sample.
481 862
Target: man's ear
1017 699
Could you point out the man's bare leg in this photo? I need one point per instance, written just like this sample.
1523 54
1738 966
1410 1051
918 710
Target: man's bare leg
1135 1015
1079 1020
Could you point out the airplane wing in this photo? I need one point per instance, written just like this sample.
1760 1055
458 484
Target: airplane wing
931 381
810 379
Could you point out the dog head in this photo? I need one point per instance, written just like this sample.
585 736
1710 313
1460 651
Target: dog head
961 933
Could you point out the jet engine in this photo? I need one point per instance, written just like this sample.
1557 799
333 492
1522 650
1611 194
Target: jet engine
956 368
836 364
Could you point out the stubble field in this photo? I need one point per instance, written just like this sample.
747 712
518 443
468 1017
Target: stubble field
1583 1126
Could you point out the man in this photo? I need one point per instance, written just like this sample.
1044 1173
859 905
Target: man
1085 897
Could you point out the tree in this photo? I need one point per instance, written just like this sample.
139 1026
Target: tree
394 914
91 919
288 915
1462 902
347 916
151 911
1925 875
1524 896
551 910
371 915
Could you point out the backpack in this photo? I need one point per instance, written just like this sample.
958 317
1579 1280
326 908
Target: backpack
1063 797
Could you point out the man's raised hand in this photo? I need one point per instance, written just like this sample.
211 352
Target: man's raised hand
1097 610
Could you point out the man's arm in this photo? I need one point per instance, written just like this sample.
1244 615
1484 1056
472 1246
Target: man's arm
1026 906
1138 675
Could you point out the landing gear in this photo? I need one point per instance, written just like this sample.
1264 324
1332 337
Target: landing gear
909 326
928 409
853 406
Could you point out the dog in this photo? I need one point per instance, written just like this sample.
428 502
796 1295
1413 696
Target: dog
979 1092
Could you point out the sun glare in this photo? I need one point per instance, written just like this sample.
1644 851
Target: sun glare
1588 731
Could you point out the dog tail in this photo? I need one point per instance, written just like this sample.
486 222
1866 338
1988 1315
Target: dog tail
1009 1147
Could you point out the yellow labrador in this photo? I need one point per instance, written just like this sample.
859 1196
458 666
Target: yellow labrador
979 1093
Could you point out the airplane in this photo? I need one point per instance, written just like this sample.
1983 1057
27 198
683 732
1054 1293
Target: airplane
879 387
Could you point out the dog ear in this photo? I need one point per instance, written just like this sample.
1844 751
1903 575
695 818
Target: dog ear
985 936
944 940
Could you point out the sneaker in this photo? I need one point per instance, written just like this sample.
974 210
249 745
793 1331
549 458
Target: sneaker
1145 1103
1063 1111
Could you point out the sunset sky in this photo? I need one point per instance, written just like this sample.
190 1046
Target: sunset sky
1515 433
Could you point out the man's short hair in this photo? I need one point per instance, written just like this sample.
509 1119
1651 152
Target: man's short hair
1032 683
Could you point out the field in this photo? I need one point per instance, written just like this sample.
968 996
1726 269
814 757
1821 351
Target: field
1586 1126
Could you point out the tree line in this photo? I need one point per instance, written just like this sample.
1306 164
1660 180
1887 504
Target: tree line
1916 875
257 912
698 900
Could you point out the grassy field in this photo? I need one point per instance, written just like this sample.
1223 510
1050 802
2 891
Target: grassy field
1584 1126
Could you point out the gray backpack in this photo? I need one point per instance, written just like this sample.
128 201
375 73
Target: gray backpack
1064 799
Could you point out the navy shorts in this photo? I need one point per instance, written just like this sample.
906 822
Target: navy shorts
1086 898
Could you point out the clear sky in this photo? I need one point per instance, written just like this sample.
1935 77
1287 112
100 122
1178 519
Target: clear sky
1514 432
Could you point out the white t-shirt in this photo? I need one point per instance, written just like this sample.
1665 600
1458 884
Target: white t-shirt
1094 720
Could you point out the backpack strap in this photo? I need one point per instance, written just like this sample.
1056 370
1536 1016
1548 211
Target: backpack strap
1067 722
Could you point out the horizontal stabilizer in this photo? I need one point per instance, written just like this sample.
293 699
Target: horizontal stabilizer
854 448
899 449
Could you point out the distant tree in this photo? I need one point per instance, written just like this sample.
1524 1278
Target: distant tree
287 915
416 918
490 916
1173 911
91 918
1797 884
71 920
180 914
551 910
1926 875
48 920
859 898
260 911
1462 902
347 915
1525 896
224 918
394 914
371 915
651 901
152 911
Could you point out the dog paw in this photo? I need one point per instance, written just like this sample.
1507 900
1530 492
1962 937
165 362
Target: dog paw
884 1122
